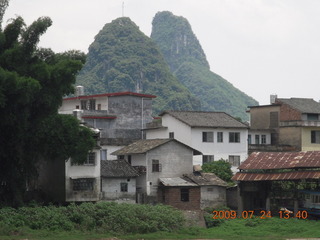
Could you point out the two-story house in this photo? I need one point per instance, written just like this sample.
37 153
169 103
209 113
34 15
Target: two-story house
293 123
155 159
119 116
216 134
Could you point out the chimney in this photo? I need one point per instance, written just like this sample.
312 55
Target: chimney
273 98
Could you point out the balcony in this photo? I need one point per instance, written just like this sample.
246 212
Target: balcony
300 123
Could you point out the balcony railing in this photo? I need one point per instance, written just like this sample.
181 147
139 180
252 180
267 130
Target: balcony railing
300 123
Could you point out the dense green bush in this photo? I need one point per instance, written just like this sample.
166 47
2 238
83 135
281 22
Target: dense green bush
101 217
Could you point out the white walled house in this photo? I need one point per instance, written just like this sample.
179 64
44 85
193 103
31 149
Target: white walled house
216 134
118 181
155 159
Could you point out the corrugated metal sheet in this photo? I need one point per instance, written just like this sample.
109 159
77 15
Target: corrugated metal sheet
281 160
295 175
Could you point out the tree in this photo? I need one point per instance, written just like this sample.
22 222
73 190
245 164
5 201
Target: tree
33 82
221 168
3 6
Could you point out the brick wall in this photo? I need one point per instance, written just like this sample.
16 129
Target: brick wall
172 196
289 114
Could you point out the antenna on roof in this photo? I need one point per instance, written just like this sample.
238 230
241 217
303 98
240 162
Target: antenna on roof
122 9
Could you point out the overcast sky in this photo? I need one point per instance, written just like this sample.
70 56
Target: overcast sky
262 47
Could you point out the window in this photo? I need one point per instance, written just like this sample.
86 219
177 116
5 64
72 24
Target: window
156 167
207 136
249 139
103 154
91 159
82 184
257 139
92 104
124 187
129 159
312 117
84 104
184 193
234 137
207 158
77 106
99 106
120 156
234 160
315 136
220 137
171 134
263 139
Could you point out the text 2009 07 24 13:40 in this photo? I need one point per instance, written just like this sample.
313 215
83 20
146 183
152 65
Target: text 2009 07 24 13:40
231 214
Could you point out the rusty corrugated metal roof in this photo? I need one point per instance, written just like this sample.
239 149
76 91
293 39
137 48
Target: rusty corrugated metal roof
295 175
281 160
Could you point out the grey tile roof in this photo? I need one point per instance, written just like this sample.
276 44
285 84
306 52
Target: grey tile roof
145 145
117 168
304 105
206 179
206 119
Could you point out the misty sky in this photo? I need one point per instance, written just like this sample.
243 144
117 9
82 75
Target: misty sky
262 47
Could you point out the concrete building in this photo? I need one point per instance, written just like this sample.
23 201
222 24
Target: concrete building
155 159
216 134
118 181
293 124
119 116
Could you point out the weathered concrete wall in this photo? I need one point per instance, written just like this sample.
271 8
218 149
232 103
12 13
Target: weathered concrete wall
289 114
260 116
213 196
82 196
175 160
111 190
290 136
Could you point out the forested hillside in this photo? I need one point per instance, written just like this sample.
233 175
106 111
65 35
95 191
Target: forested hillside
122 58
186 58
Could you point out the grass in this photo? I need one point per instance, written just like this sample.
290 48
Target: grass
251 229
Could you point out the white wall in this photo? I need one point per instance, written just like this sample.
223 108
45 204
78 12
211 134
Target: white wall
256 132
69 105
182 132
111 189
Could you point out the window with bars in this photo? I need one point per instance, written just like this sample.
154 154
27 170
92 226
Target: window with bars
207 136
124 187
257 139
83 184
315 136
263 139
156 166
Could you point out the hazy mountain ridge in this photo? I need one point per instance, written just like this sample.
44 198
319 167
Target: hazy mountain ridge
186 58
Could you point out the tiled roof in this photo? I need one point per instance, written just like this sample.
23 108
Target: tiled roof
145 145
304 105
206 179
117 168
206 119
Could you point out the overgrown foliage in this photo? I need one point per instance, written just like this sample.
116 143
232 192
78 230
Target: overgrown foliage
187 60
32 84
100 217
122 58
221 168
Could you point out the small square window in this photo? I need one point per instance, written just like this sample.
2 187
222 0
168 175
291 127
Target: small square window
234 160
156 167
234 137
207 158
124 187
207 136
220 137
171 134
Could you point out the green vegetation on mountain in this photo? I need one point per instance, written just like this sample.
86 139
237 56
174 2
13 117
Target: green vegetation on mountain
122 58
183 52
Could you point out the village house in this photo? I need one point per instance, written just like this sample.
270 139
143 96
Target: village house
119 116
216 134
285 125
118 181
155 159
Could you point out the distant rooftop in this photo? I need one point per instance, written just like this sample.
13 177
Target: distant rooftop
206 119
303 105
112 95
117 168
